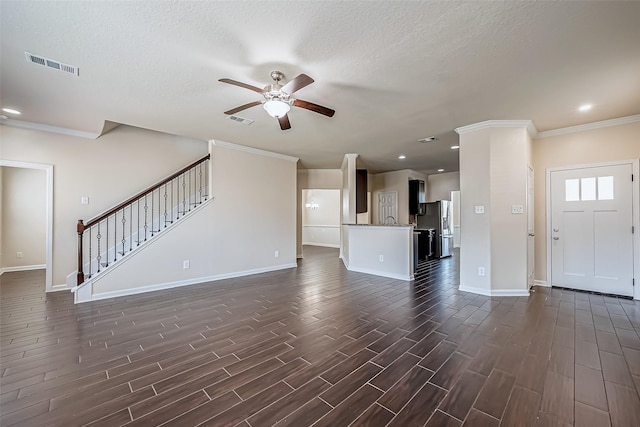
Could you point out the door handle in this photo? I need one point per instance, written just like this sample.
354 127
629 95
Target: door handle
556 230
531 235
556 238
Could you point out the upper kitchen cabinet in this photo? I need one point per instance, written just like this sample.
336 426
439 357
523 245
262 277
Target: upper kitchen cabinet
361 190
417 197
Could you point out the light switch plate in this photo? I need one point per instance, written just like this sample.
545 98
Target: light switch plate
479 209
517 209
84 200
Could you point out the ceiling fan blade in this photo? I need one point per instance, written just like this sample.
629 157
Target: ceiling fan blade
314 107
244 85
298 83
243 107
284 122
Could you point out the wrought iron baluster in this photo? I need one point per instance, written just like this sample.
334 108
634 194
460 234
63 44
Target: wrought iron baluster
171 203
131 226
152 209
115 236
165 206
184 195
90 228
146 209
124 223
206 179
200 187
99 258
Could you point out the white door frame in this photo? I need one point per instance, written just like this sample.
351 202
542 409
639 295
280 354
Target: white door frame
635 206
48 215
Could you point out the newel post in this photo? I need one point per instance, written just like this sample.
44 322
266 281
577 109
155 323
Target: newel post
80 229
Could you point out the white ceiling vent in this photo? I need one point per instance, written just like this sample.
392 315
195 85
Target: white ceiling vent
50 63
240 120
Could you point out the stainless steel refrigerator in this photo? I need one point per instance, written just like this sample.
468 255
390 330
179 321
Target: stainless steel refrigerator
437 215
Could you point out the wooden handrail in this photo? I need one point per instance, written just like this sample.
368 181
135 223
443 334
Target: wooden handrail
130 200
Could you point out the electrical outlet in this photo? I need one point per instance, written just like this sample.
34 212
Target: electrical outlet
276 254
186 264
517 209
381 258
481 271
479 209
18 254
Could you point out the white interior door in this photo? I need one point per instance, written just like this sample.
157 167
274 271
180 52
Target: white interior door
591 229
388 208
531 265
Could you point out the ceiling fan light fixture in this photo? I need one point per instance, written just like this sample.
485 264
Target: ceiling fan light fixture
276 108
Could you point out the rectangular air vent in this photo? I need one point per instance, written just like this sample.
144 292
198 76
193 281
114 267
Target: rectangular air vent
240 120
50 63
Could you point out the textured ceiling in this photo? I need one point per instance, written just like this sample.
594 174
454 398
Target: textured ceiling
393 71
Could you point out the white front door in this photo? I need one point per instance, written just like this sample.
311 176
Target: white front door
531 265
388 208
591 228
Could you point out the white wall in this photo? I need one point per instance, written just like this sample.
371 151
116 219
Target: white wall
321 221
368 243
252 215
101 169
23 217
440 186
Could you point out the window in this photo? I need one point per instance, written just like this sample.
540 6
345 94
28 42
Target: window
586 189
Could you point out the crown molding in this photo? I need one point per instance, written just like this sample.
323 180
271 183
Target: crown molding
528 124
253 150
589 126
48 128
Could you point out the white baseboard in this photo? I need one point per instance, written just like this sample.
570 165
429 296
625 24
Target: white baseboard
187 282
541 283
382 273
495 292
23 268
299 256
324 245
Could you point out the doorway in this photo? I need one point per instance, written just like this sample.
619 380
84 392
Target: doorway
321 218
388 207
48 221
590 239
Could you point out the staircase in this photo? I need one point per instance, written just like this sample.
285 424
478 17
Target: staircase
108 238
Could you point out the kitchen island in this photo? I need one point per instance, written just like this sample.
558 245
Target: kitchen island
383 250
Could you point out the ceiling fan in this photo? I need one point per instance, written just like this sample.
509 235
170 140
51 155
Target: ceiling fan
277 98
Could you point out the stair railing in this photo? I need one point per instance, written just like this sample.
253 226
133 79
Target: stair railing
124 227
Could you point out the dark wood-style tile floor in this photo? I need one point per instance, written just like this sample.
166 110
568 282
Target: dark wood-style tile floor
321 346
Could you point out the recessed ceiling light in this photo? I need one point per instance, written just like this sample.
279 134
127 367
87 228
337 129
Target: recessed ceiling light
455 147
585 107
11 111
440 170
428 139
402 157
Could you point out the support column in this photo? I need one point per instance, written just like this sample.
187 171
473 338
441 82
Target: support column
494 159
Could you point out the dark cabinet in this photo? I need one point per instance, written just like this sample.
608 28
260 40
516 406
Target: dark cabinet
361 190
417 197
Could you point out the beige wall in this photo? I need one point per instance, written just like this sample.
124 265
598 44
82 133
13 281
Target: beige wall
252 215
493 174
440 186
329 179
592 146
107 170
23 217
475 238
